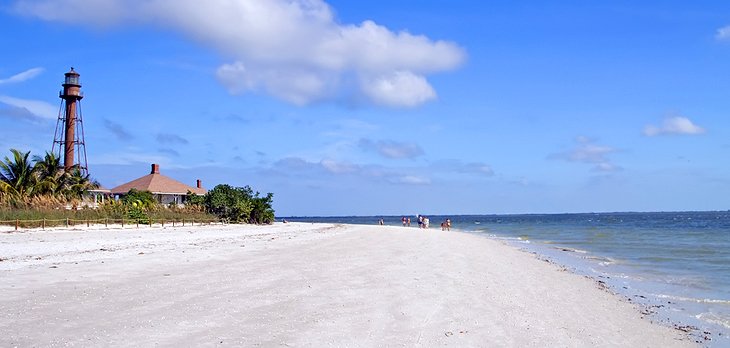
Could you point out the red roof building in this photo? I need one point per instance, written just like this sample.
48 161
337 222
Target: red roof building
167 190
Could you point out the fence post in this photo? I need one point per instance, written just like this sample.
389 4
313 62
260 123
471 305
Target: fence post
106 222
173 223
66 222
122 222
183 222
87 223
44 224
163 222
137 223
16 224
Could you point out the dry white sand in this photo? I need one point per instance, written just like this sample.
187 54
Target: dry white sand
306 285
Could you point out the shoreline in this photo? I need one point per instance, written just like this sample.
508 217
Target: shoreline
650 309
311 283
666 310
680 291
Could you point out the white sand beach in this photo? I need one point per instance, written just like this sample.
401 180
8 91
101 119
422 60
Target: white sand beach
301 285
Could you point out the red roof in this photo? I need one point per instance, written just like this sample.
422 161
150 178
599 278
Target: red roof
158 184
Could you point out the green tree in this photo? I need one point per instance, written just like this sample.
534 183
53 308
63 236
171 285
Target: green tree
144 199
239 204
16 175
138 204
194 199
47 174
74 183
230 203
262 212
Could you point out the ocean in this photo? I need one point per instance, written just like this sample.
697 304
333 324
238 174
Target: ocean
675 265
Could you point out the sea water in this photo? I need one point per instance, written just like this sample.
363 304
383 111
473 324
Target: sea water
675 265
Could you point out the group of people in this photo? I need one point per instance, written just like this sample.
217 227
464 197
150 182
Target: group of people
406 221
446 225
423 222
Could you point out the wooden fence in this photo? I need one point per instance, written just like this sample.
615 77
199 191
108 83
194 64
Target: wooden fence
71 223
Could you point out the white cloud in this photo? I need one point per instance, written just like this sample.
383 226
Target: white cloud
297 86
477 168
300 165
290 164
400 88
34 108
336 167
295 50
723 33
674 125
297 166
590 153
392 149
606 167
411 180
23 76
586 151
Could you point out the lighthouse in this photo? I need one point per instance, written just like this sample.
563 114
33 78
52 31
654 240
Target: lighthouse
69 135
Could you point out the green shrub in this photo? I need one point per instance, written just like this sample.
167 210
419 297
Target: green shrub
239 205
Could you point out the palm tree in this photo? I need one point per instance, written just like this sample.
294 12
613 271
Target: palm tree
4 190
74 183
17 175
47 174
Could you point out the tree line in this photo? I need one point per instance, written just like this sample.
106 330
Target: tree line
41 182
26 181
236 204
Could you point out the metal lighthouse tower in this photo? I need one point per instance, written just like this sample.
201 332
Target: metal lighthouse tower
69 136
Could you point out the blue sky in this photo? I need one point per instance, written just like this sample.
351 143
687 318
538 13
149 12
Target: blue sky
399 107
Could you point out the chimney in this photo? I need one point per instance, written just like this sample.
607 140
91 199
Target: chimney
155 168
198 184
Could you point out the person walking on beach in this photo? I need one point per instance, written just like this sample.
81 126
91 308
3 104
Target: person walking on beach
409 222
425 222
448 224
420 221
403 220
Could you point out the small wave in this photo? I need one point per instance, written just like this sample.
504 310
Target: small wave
602 260
505 238
714 319
572 250
630 277
692 299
